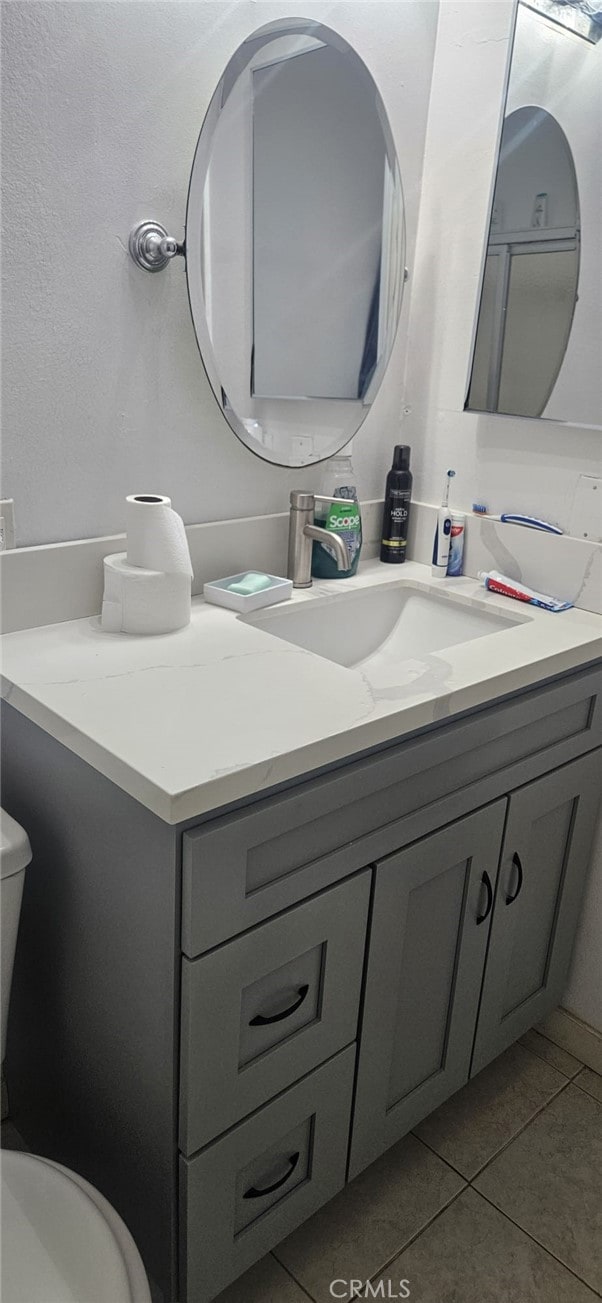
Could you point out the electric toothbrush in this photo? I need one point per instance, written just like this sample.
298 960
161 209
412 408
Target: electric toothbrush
442 539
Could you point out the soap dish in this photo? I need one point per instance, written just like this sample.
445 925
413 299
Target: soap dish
218 591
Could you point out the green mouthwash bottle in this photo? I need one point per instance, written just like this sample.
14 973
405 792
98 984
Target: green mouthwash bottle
338 481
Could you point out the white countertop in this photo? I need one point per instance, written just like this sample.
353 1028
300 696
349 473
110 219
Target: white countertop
190 721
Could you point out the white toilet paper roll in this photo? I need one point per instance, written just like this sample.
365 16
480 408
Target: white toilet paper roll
156 537
139 600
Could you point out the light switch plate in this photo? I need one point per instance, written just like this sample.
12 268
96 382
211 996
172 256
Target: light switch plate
586 516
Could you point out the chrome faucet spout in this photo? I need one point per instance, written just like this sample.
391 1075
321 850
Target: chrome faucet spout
333 540
302 532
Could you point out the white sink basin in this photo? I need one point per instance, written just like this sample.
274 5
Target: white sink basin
389 623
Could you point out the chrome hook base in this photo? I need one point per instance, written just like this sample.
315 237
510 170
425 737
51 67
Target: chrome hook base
151 247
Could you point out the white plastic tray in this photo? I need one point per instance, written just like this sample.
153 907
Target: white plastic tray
219 593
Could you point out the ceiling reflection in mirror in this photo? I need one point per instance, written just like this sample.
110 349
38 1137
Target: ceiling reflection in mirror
295 242
537 341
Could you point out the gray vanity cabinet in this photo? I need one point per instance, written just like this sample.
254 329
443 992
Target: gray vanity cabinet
262 1001
428 941
543 868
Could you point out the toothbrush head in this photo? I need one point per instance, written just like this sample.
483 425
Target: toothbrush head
449 475
479 509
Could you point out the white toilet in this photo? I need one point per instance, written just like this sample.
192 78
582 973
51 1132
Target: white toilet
61 1241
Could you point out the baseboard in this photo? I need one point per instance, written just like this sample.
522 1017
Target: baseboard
575 1036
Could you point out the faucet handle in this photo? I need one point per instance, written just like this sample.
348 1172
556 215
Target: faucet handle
302 500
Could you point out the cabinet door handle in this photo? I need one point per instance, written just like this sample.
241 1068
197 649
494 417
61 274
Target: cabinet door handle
511 896
486 880
261 1021
254 1193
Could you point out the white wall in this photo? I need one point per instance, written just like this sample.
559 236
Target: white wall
103 390
507 463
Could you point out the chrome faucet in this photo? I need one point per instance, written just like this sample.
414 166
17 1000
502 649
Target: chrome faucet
301 533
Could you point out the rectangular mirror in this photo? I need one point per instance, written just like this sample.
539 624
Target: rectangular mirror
537 339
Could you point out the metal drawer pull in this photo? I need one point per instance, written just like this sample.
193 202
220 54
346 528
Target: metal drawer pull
487 884
254 1193
261 1021
517 864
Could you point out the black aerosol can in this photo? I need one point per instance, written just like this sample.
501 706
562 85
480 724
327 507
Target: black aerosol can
396 515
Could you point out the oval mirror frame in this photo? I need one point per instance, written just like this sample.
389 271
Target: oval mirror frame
304 429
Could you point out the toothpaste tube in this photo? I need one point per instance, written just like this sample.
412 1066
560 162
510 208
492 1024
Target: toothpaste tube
456 543
497 583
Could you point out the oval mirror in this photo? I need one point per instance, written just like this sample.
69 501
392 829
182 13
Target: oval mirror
295 242
531 274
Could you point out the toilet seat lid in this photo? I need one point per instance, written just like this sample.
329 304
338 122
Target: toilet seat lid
56 1245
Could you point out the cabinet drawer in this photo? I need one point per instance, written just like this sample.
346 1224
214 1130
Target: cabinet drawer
263 1010
240 869
249 1189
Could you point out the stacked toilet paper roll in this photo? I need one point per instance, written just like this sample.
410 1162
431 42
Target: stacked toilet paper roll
147 589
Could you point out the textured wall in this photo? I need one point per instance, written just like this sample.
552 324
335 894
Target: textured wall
104 393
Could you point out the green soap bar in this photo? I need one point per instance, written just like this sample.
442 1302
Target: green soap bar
252 583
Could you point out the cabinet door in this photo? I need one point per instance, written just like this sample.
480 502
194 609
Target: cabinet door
430 924
544 865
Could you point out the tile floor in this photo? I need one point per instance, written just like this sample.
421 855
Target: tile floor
496 1198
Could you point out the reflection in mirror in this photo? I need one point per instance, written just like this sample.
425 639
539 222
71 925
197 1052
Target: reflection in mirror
537 338
531 269
295 242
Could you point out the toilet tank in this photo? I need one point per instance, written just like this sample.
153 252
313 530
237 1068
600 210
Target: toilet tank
15 854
